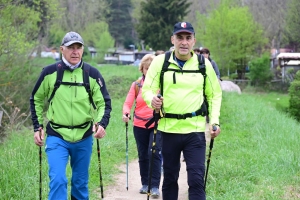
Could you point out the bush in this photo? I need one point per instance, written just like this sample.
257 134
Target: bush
260 72
294 92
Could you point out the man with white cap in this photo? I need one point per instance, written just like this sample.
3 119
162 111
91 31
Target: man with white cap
79 105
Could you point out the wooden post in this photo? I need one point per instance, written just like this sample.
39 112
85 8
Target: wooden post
1 114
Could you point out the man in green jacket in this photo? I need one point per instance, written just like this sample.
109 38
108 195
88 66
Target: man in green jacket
183 123
75 111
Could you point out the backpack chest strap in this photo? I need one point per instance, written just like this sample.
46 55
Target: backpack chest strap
202 111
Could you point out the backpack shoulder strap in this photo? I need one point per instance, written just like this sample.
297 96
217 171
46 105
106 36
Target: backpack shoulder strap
86 81
163 70
201 61
138 86
202 70
59 76
166 61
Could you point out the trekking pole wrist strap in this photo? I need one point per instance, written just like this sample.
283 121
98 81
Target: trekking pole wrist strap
216 125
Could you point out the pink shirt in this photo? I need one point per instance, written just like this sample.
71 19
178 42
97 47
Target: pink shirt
142 113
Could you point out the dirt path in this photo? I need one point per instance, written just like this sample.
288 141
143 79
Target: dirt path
118 191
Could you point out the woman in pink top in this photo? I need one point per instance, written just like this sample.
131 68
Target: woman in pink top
144 136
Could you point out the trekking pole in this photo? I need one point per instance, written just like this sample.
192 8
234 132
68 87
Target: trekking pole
40 157
126 125
156 118
99 164
211 145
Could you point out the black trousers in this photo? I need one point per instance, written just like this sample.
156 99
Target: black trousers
193 146
144 139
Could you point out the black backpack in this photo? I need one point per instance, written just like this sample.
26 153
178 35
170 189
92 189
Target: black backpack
204 107
86 81
203 111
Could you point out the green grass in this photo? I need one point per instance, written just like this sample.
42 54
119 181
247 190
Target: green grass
256 156
278 100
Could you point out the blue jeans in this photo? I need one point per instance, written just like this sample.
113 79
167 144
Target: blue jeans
193 146
58 152
144 139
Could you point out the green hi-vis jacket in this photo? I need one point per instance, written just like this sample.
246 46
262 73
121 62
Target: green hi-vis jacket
185 95
70 105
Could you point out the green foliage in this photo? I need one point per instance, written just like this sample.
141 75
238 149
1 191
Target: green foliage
230 30
75 16
157 21
17 29
97 35
56 34
292 25
260 72
15 92
17 32
120 22
294 92
136 13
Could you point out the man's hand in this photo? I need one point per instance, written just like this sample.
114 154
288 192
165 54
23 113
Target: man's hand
214 133
99 131
39 137
157 102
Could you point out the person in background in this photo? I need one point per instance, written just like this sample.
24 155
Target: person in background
158 52
197 51
183 123
71 118
144 136
206 54
172 48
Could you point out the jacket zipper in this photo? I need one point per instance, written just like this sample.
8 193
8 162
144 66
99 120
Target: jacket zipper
75 86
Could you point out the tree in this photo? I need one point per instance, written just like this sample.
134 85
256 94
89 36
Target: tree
260 72
76 15
292 27
157 19
270 14
46 10
18 27
120 22
232 36
98 36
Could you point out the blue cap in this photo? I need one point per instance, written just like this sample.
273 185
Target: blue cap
186 27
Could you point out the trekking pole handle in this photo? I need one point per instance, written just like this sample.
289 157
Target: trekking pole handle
214 128
127 116
157 110
211 144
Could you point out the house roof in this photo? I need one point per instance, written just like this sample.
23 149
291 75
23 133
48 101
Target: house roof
290 56
293 62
